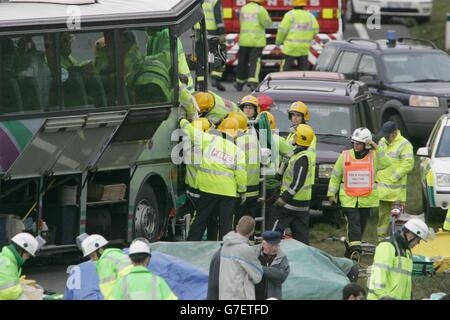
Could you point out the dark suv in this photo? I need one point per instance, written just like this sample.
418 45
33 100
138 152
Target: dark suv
408 78
337 107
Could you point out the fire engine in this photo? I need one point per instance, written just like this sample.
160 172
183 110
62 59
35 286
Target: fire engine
327 13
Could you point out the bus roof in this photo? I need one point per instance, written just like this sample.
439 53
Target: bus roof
22 15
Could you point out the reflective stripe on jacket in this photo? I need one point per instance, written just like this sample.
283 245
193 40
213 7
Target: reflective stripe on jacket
111 264
392 180
253 20
141 284
391 271
335 185
296 31
10 261
222 169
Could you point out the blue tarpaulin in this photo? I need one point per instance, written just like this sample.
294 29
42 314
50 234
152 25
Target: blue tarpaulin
186 281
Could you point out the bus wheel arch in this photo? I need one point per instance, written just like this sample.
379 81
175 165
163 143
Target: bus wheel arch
151 206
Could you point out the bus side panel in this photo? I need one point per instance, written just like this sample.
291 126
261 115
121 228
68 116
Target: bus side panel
155 167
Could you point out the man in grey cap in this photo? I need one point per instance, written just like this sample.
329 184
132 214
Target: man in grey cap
396 160
275 266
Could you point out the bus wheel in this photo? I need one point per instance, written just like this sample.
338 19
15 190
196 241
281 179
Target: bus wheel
147 214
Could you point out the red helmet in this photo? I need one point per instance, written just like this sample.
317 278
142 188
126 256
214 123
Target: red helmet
265 102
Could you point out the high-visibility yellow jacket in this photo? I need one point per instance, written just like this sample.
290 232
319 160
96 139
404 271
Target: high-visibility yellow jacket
248 142
391 270
293 192
222 170
393 178
10 269
337 181
296 31
253 19
447 221
213 17
113 263
141 284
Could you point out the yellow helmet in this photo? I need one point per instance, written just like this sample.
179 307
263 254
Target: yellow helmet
205 101
304 135
271 118
250 100
241 118
257 1
229 126
299 3
299 107
202 124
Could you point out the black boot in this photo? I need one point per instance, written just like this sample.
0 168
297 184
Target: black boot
252 86
216 83
238 86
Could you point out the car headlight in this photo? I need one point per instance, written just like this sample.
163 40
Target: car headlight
424 101
325 170
443 179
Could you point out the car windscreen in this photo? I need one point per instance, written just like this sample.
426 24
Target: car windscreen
443 150
417 67
326 119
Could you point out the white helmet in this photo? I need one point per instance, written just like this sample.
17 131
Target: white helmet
418 227
140 245
92 243
362 135
27 242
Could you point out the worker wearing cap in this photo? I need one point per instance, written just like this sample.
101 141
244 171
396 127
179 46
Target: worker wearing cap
295 33
140 283
354 177
211 106
393 264
110 263
275 266
253 21
221 177
22 247
397 160
292 207
447 221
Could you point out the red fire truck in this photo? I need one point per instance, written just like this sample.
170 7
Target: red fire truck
327 12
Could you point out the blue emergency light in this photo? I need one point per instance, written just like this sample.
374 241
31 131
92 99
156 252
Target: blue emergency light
391 37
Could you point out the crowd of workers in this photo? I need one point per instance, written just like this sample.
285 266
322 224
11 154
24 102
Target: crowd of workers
228 146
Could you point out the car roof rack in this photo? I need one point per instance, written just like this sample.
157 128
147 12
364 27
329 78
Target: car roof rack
350 40
417 40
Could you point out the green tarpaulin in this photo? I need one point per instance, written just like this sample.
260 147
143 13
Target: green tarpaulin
314 273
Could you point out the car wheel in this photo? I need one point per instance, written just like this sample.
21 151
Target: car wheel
147 214
350 15
400 124
432 214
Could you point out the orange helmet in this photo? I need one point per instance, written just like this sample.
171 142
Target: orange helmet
271 118
250 100
299 107
229 126
205 101
257 1
241 118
